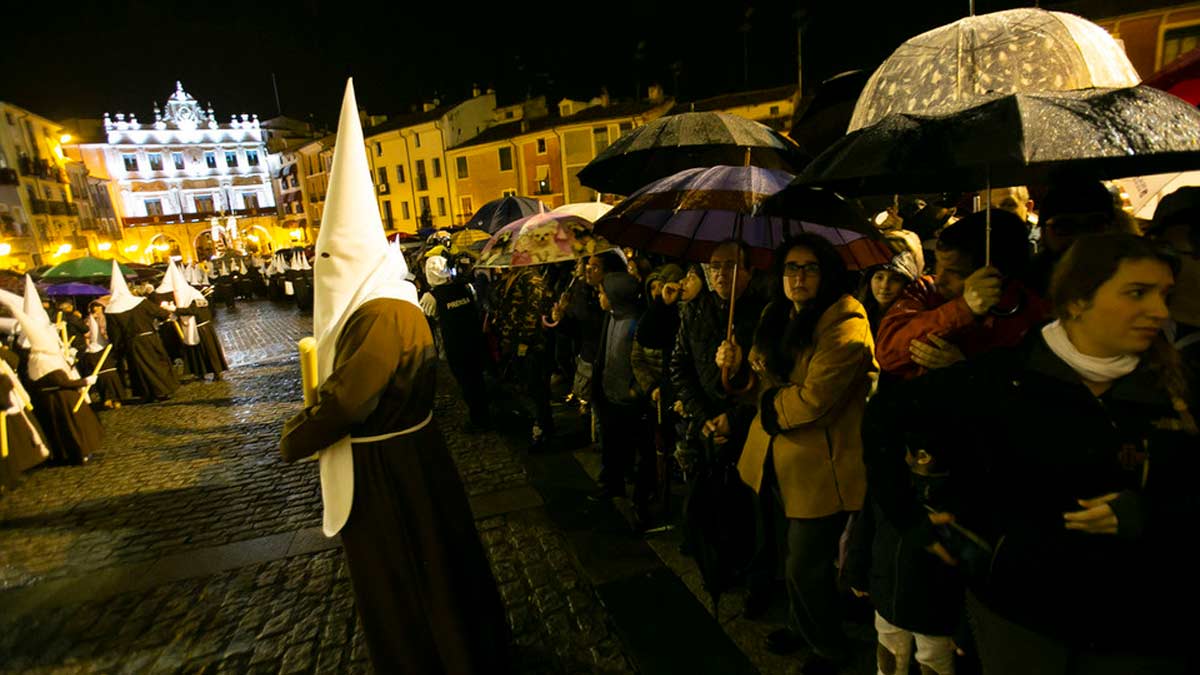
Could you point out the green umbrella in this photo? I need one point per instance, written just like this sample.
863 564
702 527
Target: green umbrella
86 267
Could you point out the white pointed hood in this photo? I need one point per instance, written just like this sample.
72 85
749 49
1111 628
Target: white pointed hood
45 348
32 302
185 295
353 266
168 281
122 300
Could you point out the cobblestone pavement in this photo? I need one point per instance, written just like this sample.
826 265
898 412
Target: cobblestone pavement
188 545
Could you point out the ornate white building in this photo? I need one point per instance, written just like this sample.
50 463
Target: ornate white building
186 169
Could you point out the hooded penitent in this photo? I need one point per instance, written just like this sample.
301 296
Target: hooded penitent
354 265
185 296
32 306
122 300
45 350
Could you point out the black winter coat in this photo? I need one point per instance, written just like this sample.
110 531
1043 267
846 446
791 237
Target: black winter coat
694 372
909 587
1024 439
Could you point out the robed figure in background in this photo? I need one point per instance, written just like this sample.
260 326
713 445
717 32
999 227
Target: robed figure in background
26 449
422 583
202 352
72 432
135 340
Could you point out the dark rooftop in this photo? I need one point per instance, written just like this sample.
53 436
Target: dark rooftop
594 113
726 101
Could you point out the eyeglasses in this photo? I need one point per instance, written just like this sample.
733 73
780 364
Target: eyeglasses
794 269
726 266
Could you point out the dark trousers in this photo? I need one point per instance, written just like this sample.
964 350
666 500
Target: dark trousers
809 570
1008 648
626 439
534 368
467 368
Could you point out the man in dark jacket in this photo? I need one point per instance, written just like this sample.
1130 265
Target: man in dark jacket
715 415
617 398
462 335
581 317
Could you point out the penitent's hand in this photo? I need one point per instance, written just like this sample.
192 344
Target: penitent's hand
1097 516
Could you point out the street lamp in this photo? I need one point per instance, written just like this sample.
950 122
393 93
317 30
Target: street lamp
63 250
104 246
5 249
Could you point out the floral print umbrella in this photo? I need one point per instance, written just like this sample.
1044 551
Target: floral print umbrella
542 239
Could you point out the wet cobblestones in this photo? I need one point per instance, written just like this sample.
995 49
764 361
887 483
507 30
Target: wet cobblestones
203 470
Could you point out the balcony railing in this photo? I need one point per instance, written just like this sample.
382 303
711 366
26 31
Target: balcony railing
8 177
254 212
41 168
198 217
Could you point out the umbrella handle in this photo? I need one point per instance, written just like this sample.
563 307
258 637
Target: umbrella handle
725 375
725 382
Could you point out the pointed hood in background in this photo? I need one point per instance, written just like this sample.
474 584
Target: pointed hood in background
122 300
354 265
185 295
168 282
45 348
32 302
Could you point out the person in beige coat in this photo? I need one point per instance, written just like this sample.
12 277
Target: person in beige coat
813 355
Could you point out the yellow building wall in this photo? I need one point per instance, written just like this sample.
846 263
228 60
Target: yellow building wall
485 181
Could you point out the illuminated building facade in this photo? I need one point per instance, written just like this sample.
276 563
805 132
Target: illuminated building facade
181 178
38 214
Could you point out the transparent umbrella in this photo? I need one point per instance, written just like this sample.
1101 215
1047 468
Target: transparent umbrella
1014 51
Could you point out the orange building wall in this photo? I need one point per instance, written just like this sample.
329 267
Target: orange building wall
531 160
485 181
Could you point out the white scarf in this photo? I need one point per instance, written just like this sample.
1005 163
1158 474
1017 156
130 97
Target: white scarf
1090 368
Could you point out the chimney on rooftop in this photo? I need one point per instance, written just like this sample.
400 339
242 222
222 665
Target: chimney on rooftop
656 93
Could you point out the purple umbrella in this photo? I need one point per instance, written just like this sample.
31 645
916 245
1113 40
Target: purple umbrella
687 214
75 288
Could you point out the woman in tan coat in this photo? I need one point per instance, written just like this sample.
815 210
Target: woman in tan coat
813 355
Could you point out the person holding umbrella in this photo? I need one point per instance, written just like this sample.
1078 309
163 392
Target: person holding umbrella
813 354
967 307
1073 459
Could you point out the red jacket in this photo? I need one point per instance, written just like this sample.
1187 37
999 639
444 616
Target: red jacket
922 311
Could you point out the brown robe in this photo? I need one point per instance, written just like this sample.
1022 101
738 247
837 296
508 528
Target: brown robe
23 452
135 341
207 356
423 586
71 436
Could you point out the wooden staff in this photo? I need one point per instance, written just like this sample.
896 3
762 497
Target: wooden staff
95 371
3 435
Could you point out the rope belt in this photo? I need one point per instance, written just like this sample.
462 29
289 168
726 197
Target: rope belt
149 332
202 323
403 432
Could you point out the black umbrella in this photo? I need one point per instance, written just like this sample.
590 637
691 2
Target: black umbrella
499 212
1017 139
716 514
674 143
821 120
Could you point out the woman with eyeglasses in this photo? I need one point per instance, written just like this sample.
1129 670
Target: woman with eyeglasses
813 356
1073 460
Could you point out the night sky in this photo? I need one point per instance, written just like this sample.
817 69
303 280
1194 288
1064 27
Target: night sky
82 59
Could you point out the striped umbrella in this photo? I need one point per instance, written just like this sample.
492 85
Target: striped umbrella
673 143
686 215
